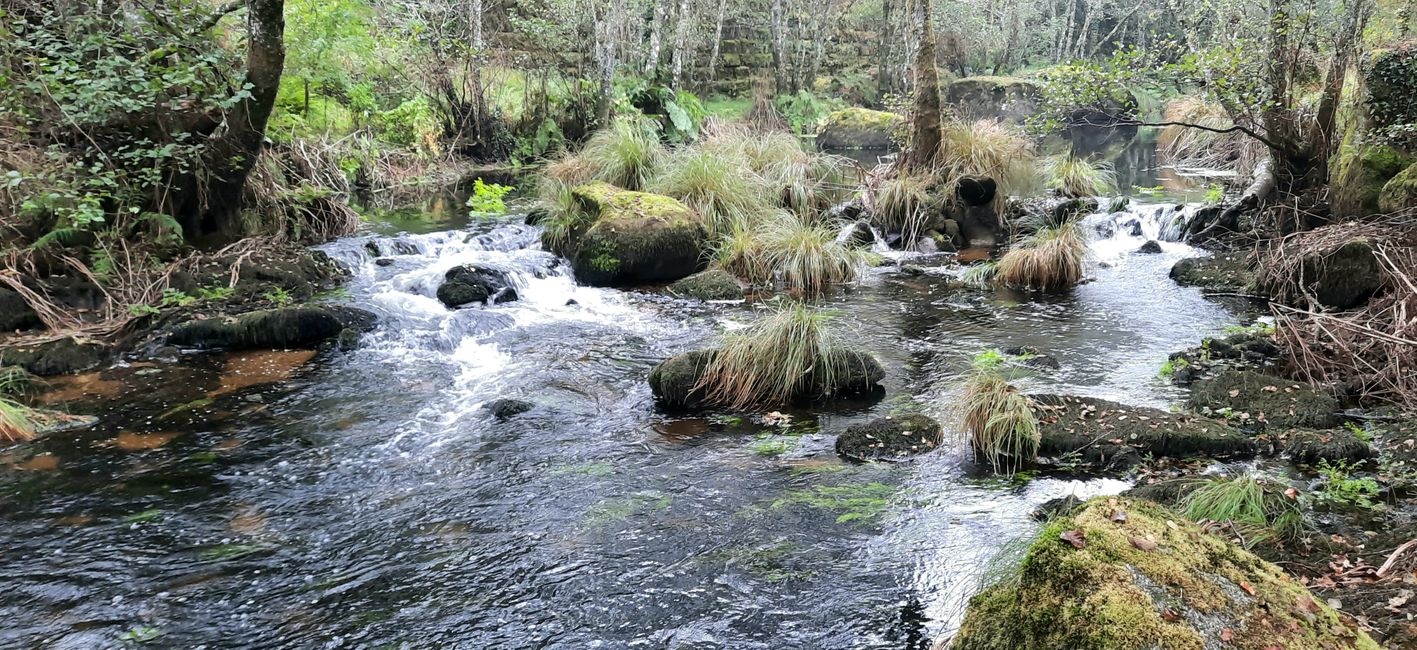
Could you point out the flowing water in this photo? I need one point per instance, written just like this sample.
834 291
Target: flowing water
368 500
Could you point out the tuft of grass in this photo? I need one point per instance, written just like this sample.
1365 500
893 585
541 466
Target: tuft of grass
992 149
787 249
1051 259
980 275
1256 509
627 154
775 359
903 204
1076 177
1169 368
999 420
720 187
15 424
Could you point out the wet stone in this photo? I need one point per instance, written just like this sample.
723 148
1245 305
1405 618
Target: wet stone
891 438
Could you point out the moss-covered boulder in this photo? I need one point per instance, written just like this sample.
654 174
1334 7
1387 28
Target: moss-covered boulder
1009 99
1360 171
1249 350
858 128
1400 192
1220 272
628 238
891 438
676 381
1310 446
64 356
1260 401
1108 435
286 327
1127 574
713 284
1338 276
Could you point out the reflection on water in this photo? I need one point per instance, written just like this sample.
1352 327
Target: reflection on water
367 499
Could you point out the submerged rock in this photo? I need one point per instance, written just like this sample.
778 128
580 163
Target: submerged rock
1260 401
632 238
1108 435
475 284
1222 272
675 382
713 284
860 235
858 128
890 438
1151 247
1309 447
287 327
1127 574
15 313
64 356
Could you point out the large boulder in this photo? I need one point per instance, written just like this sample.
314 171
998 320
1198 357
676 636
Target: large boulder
1128 574
1400 192
1360 171
15 313
286 327
858 128
475 284
1341 275
1108 435
64 356
1220 272
676 381
1260 401
890 438
1311 447
713 284
630 238
1007 99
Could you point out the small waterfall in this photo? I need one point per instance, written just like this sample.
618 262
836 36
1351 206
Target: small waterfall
1123 231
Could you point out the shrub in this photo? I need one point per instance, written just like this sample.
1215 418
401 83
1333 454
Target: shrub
1075 177
487 199
999 420
1256 509
1047 260
775 359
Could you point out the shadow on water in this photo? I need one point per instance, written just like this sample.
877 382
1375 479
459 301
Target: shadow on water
367 499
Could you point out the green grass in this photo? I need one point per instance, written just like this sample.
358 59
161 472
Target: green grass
903 204
775 359
861 503
1257 509
1048 260
721 188
981 275
773 446
788 250
998 419
15 424
628 154
728 108
1169 368
1342 489
1073 176
990 149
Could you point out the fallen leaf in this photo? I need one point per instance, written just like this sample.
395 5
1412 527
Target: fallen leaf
1169 615
1249 588
1143 543
1076 537
1400 599
1234 392
1227 634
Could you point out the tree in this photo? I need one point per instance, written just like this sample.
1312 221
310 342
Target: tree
925 127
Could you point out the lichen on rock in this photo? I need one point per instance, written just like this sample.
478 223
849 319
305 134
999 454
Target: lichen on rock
631 238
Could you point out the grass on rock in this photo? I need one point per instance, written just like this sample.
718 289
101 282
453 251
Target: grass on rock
1256 509
1077 177
998 419
1051 259
775 359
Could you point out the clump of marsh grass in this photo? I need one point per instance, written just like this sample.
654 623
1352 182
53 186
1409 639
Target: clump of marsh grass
999 420
1255 509
627 154
1077 177
15 422
563 212
776 359
721 188
903 204
980 275
790 251
804 182
989 149
1051 259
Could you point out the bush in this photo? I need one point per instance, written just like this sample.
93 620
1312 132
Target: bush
775 359
1051 259
627 154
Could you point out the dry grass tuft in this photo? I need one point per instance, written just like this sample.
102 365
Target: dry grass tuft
775 360
1051 259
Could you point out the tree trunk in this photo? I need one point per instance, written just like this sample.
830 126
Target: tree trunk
779 46
681 43
655 29
883 52
717 41
925 125
231 156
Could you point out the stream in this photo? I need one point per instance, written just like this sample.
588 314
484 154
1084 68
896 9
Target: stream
368 499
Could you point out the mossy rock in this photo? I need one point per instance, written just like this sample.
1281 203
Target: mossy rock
507 408
1400 192
1128 574
1245 350
1108 435
634 238
1260 401
1009 99
891 438
64 356
713 284
1340 277
675 381
858 128
1220 272
15 313
1310 446
287 327
1360 171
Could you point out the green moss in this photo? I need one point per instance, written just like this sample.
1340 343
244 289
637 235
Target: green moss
863 117
620 509
1146 579
1359 173
1400 192
860 503
633 237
